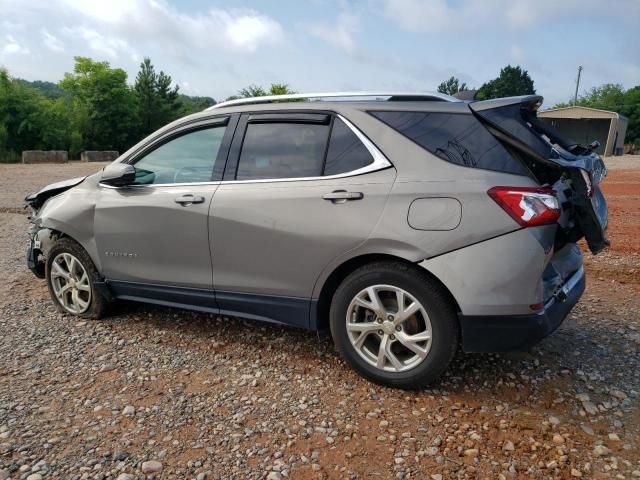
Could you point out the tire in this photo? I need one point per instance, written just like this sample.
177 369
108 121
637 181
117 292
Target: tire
417 362
90 301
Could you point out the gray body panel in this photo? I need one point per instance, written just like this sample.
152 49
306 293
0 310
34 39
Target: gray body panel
143 235
501 276
275 238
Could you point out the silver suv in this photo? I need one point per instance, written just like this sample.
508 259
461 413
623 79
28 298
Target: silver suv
407 224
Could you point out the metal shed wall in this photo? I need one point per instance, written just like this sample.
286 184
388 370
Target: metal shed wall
583 124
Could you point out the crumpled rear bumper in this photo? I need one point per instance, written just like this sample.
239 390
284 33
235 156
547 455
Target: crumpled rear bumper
501 333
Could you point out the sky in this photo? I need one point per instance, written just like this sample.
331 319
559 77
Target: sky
214 48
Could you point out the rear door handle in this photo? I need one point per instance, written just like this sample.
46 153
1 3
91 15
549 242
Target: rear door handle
189 199
341 196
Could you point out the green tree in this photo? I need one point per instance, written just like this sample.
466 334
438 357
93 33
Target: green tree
252 91
630 108
48 89
512 81
145 88
29 120
190 104
104 114
280 89
452 86
158 102
258 91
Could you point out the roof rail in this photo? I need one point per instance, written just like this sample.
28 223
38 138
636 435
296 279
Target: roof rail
377 96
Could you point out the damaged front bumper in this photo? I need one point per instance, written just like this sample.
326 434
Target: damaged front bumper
35 261
501 333
40 242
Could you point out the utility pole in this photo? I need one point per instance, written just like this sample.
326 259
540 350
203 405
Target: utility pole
575 96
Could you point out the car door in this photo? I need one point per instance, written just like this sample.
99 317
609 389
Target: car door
156 230
299 190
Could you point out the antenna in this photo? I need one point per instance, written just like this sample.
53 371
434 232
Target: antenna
575 96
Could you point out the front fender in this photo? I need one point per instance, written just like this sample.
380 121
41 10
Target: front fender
70 213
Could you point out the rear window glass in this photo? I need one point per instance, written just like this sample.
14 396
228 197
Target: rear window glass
346 152
455 137
282 150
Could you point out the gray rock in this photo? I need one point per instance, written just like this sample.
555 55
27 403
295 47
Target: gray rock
152 466
601 451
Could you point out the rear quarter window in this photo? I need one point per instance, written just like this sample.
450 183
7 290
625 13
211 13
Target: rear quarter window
346 152
455 137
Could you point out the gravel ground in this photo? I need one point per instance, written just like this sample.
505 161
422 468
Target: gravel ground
19 180
166 393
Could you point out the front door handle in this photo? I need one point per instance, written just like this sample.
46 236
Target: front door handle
341 196
189 199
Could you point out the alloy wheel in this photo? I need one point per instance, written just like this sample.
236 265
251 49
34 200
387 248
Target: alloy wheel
389 328
70 283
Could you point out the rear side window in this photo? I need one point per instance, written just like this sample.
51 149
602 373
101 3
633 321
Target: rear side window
455 137
282 150
346 152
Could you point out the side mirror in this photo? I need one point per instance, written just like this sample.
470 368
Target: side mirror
118 174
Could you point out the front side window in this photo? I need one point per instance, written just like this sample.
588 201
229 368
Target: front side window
282 150
189 158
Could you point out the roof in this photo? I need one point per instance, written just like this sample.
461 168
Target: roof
578 112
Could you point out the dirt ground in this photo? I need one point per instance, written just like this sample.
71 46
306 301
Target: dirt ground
174 394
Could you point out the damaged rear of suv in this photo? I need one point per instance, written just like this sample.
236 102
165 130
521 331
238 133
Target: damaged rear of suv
404 223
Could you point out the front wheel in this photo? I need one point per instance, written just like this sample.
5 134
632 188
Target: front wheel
394 324
70 277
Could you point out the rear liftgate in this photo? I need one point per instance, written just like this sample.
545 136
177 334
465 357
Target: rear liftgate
573 171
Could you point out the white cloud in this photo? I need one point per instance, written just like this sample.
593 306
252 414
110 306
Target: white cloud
240 30
12 47
102 44
248 32
112 11
446 16
340 35
51 42
419 15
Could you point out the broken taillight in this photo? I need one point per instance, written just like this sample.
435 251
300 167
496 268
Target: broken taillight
529 206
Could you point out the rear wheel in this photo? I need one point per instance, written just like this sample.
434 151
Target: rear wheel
394 325
70 277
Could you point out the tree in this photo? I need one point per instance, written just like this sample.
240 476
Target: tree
48 89
252 91
630 108
104 113
29 120
258 91
280 89
189 105
512 81
158 102
145 88
452 86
